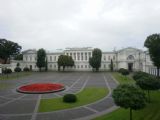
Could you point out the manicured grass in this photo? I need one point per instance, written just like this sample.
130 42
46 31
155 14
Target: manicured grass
151 112
14 75
4 85
123 79
88 95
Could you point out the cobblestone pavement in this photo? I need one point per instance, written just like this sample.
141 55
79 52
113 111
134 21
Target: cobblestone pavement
19 106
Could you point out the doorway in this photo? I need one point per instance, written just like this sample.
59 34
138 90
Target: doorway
130 67
30 67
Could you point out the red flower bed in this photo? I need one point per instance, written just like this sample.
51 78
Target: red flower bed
41 88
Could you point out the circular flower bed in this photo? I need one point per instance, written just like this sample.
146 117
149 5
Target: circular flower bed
41 88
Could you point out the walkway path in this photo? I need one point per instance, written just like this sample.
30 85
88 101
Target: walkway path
18 106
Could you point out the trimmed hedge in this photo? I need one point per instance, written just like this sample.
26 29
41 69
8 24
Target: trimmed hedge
26 69
123 71
120 70
6 71
69 98
17 69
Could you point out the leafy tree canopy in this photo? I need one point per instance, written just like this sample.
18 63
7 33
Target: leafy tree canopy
95 60
64 61
8 48
129 96
153 44
41 58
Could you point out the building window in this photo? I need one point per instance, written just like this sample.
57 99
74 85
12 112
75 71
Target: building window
114 57
109 58
30 58
77 66
55 66
81 66
50 58
104 66
104 58
54 58
86 57
85 66
50 66
26 58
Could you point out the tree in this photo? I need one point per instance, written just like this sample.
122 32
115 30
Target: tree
64 61
148 83
46 65
95 60
111 65
41 58
18 57
153 44
129 96
8 48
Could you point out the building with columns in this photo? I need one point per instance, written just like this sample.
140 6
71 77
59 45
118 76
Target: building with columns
129 58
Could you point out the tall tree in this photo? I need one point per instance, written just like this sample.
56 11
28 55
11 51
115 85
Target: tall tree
153 44
41 58
129 96
95 60
111 65
46 65
148 83
64 61
8 48
18 57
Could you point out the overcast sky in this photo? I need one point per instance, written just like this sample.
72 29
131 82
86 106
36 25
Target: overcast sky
54 24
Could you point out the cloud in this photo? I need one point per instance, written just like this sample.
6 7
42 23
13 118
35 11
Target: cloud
53 24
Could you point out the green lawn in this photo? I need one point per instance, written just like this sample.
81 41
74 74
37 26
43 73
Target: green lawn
150 112
4 85
14 75
123 79
88 95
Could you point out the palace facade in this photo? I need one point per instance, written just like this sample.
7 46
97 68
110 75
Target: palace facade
129 58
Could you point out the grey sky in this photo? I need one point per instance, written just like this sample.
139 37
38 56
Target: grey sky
53 24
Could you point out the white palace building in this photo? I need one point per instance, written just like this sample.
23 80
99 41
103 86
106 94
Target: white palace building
129 58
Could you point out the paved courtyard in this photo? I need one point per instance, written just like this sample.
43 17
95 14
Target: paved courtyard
19 106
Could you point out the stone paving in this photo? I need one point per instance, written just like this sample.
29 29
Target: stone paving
19 106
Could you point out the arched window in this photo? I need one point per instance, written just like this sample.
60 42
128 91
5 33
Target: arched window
130 57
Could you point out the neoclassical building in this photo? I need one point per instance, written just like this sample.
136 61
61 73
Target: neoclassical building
129 58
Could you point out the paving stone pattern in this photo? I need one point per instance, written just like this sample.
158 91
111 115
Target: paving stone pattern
19 106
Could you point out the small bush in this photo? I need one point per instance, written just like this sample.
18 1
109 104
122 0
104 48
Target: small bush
17 69
125 72
26 69
6 71
69 98
120 70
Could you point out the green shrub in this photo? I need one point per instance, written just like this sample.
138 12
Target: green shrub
6 71
120 70
69 98
26 69
138 75
124 72
17 69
